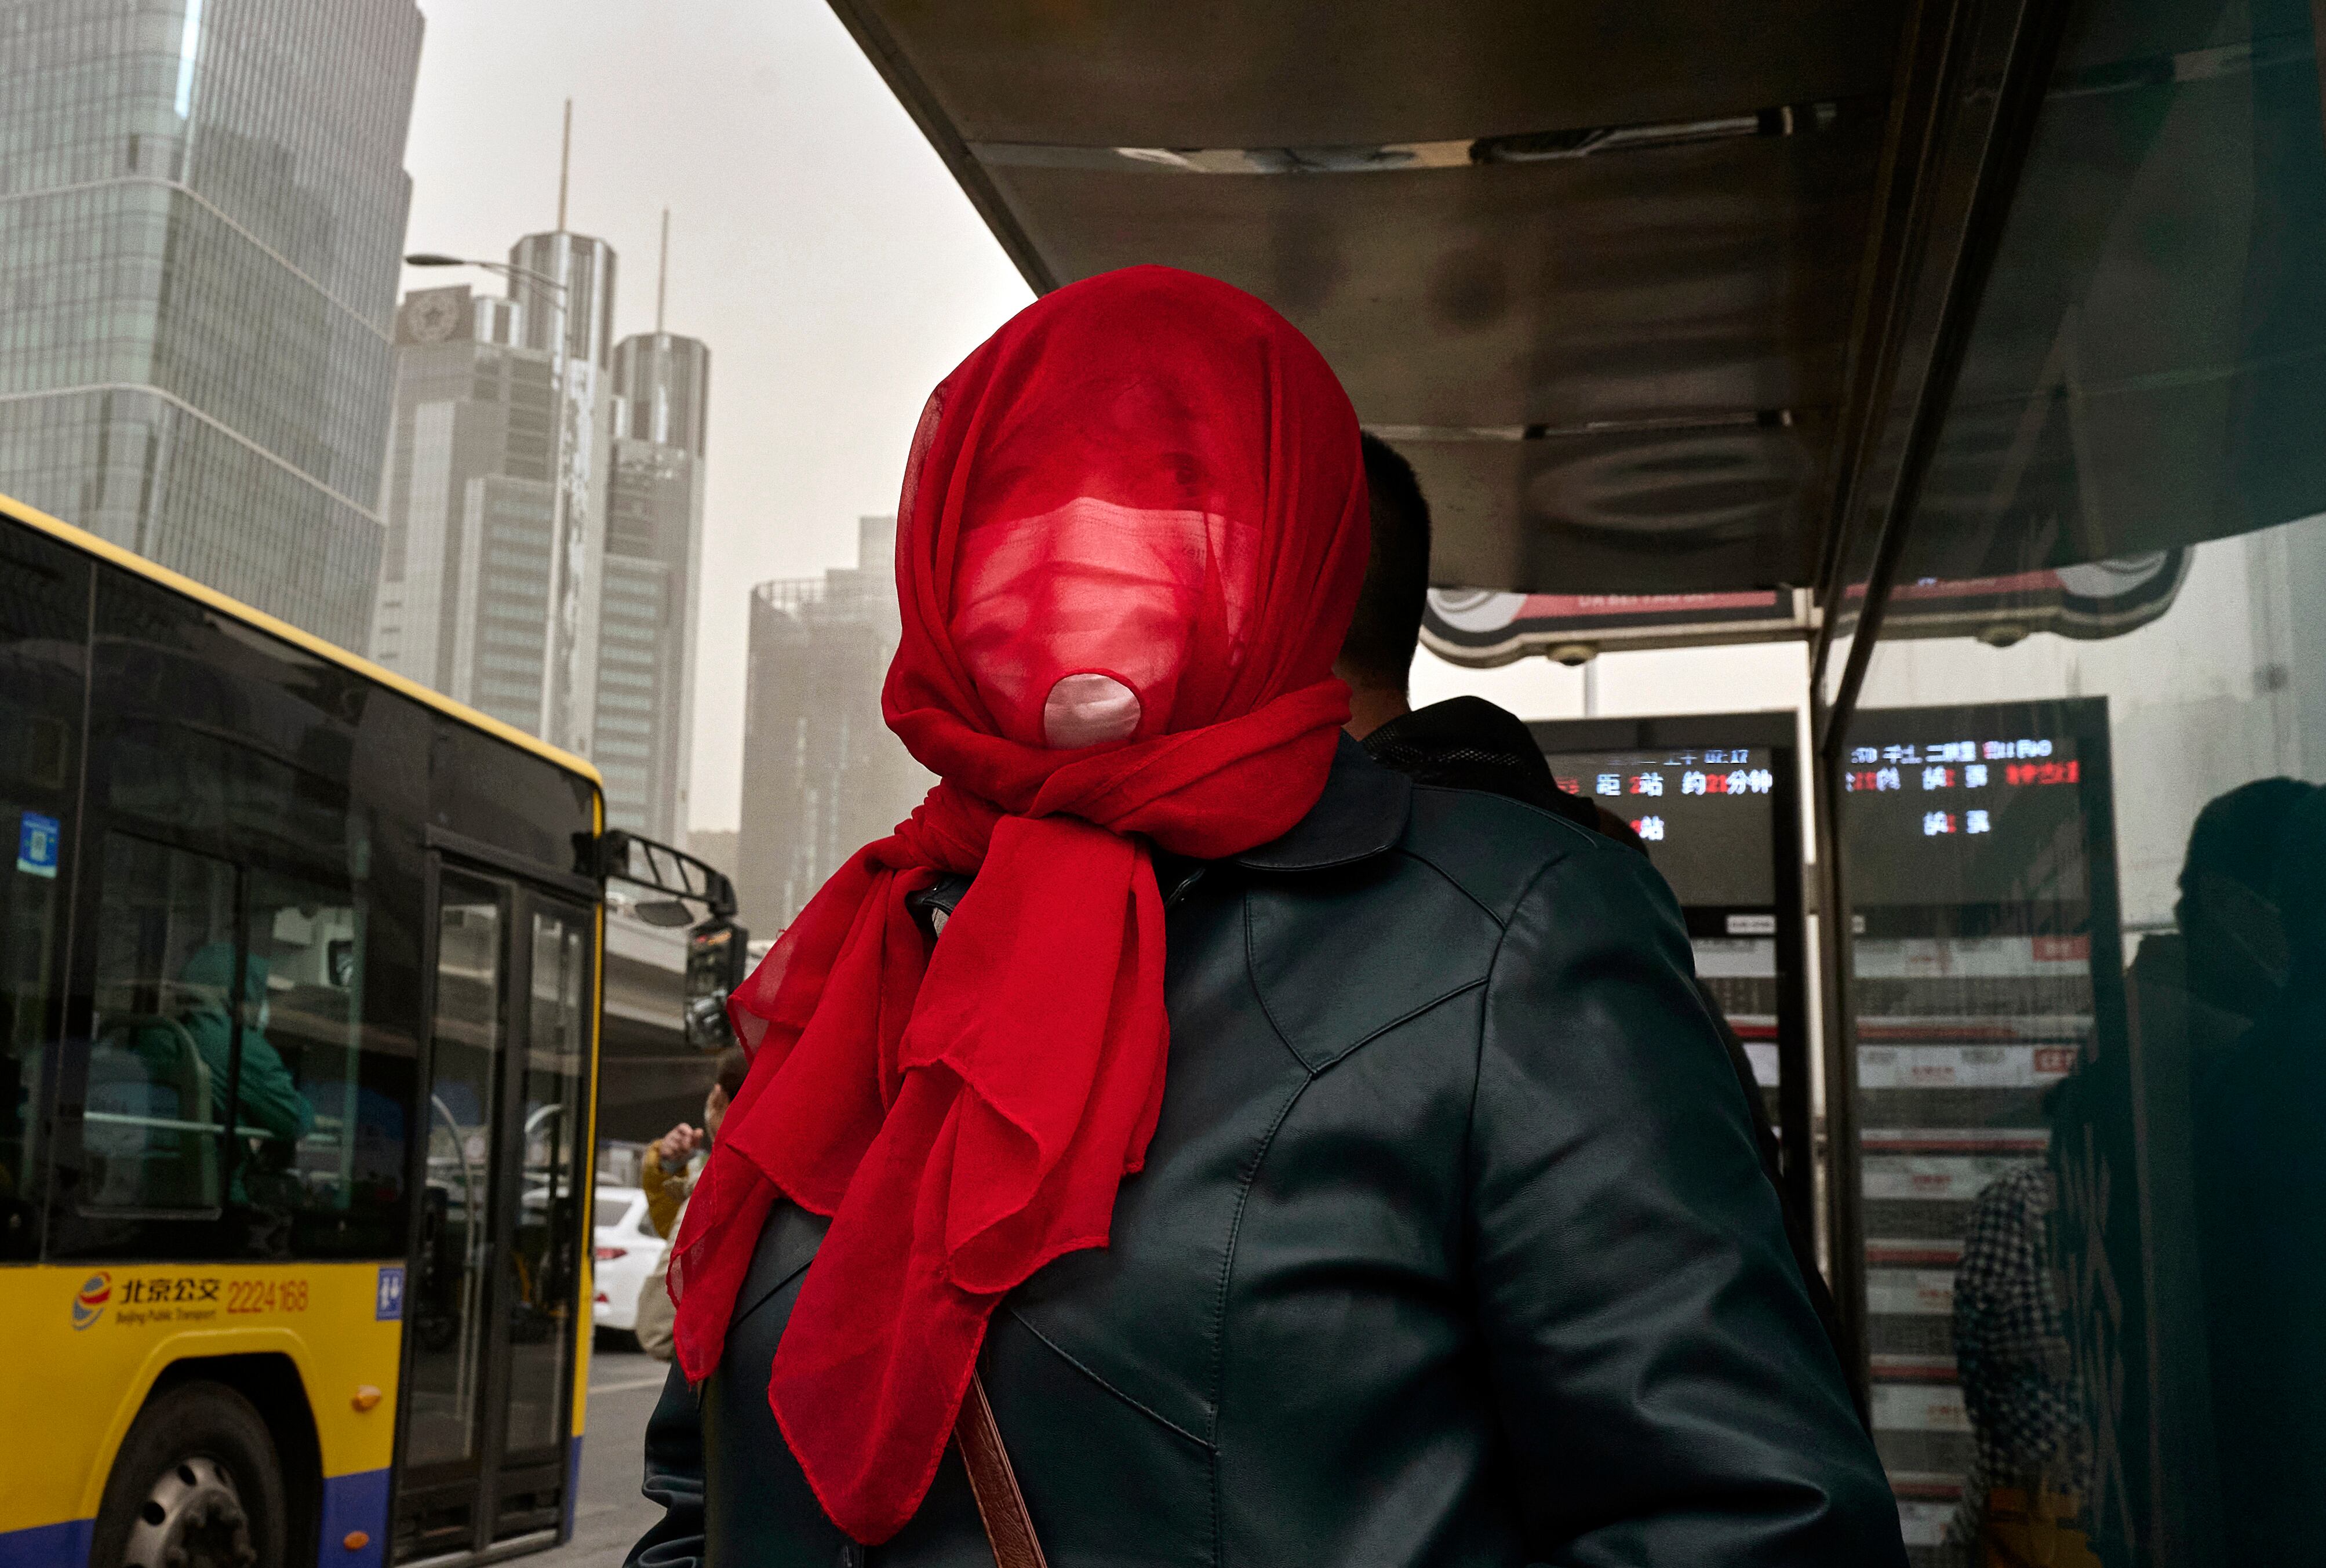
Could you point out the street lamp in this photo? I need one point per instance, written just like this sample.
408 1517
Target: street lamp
506 269
561 372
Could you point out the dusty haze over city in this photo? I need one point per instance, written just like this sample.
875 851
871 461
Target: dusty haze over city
817 246
835 270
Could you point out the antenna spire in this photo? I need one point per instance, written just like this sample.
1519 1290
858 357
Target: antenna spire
564 166
662 276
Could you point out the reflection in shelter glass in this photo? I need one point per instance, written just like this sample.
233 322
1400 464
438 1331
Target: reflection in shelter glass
2084 837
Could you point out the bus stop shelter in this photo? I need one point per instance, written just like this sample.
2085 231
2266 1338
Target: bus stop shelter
1973 344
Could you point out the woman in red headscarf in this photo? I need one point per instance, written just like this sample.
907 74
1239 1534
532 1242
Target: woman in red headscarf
1317 1168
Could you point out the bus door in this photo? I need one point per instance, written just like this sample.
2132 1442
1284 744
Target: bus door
492 1305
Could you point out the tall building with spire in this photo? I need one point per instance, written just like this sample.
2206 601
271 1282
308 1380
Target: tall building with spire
546 516
644 716
573 323
464 592
204 207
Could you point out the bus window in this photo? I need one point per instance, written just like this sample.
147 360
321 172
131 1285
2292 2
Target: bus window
449 1285
495 794
554 1179
161 1067
322 1121
206 998
234 933
44 629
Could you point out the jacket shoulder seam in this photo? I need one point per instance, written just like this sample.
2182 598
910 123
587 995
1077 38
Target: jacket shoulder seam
1327 1059
1450 880
1407 1016
1582 842
1485 1017
1250 1174
1260 992
1071 1359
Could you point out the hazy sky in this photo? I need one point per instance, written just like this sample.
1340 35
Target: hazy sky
817 245
821 251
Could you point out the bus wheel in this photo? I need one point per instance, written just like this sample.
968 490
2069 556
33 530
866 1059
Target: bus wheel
197 1485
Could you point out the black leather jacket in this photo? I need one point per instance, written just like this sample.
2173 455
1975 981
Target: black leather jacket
1468 743
1452 1247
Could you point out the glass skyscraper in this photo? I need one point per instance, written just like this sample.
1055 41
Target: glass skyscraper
464 590
569 615
653 546
583 303
201 204
823 773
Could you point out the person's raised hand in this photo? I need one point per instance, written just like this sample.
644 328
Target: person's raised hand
671 1151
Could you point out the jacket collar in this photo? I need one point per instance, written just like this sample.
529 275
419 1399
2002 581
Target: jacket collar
1361 814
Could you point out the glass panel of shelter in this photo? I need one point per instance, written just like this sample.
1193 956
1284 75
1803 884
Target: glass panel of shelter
2083 825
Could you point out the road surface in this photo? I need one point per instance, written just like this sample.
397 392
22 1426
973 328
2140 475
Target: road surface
609 1514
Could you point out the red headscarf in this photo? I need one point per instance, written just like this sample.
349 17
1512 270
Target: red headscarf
1132 531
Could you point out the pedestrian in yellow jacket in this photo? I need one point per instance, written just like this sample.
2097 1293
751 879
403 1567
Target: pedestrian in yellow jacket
667 1174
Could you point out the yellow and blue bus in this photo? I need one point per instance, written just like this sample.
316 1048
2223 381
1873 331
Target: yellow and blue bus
299 996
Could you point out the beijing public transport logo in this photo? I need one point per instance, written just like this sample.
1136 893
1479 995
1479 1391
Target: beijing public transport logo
89 1304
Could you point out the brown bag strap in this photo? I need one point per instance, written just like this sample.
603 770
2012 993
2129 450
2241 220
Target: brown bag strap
1009 1528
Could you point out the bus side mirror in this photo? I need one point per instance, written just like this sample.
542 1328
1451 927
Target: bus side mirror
662 869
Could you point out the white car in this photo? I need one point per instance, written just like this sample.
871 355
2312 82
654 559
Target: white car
628 1253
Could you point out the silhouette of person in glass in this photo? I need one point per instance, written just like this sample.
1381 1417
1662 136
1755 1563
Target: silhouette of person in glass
2261 1216
2224 1113
2212 975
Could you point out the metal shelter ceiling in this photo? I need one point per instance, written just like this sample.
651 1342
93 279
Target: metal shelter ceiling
1704 301
1592 268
